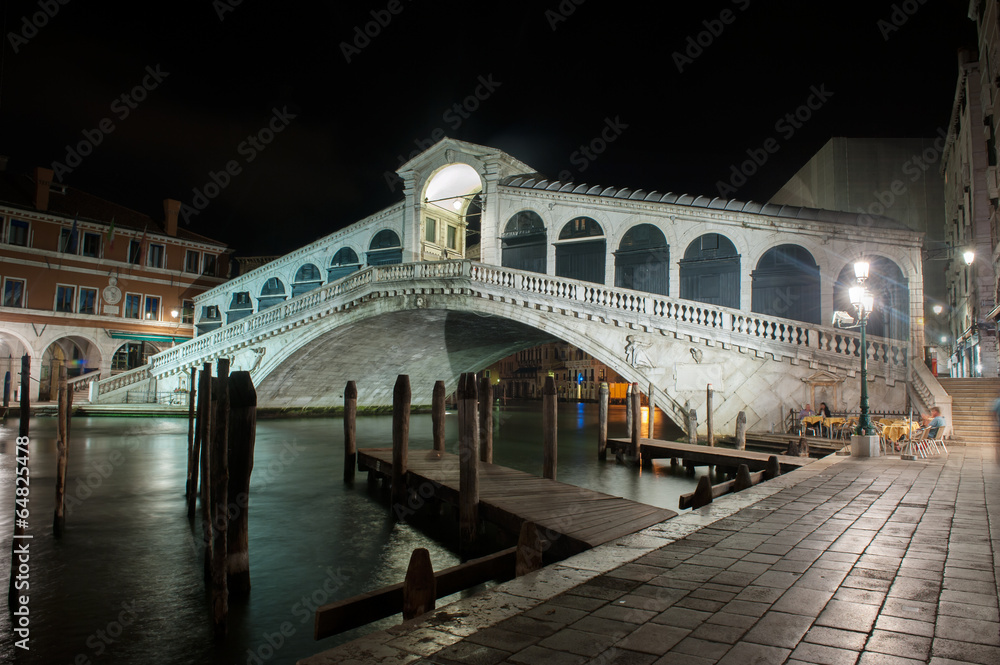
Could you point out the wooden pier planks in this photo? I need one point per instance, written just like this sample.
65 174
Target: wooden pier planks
585 518
705 455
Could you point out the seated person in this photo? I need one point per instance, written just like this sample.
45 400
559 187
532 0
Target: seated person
936 424
824 410
806 411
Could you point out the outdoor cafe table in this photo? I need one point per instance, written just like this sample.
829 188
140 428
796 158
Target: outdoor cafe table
897 430
828 423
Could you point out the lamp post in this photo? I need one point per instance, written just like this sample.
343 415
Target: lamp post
864 301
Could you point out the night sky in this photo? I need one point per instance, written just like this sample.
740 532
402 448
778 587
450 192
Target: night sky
550 77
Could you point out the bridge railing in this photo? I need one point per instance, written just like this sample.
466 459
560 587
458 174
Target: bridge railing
782 337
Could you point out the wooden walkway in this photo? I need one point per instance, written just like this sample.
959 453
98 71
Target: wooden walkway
580 518
703 455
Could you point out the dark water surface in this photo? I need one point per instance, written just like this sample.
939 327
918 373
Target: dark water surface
125 582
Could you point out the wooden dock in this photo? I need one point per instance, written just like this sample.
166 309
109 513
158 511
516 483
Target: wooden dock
574 518
703 455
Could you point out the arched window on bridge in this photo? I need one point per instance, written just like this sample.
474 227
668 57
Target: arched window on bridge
642 261
344 262
307 278
523 243
890 316
786 284
385 249
241 306
710 271
271 294
581 251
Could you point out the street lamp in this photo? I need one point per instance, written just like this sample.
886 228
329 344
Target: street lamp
864 301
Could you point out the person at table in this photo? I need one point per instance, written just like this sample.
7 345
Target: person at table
936 424
824 410
806 411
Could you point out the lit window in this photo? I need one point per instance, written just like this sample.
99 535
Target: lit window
65 295
88 301
191 261
17 234
452 237
92 245
152 312
187 311
155 256
210 312
13 293
133 305
208 268
430 235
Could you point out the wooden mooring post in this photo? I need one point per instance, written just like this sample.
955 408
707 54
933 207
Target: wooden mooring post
741 430
204 398
25 409
468 453
400 439
636 432
220 497
242 438
205 429
62 454
652 411
709 424
549 426
693 427
628 409
350 431
604 396
438 415
486 420
419 585
22 452
192 476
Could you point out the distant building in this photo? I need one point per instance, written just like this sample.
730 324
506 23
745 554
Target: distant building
91 283
577 375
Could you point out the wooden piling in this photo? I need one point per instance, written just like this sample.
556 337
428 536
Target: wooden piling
743 480
419 585
242 437
192 395
486 420
22 511
350 431
636 432
709 416
400 438
628 409
693 427
438 415
25 410
549 434
530 550
741 430
773 469
652 411
220 497
62 454
468 444
204 398
205 431
604 396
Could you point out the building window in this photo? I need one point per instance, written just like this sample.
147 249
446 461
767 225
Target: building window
67 241
131 355
17 233
13 292
210 312
208 267
187 311
133 305
241 299
452 237
191 261
92 245
431 234
65 295
134 252
155 256
152 312
88 301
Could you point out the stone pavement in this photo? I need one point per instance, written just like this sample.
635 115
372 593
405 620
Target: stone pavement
867 561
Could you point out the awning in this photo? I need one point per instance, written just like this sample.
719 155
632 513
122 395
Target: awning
147 337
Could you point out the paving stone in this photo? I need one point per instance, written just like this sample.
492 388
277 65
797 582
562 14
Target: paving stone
577 602
907 626
619 656
834 637
754 654
653 638
706 649
469 653
623 613
969 611
760 594
529 626
682 617
967 630
556 613
909 609
848 616
680 658
874 658
984 600
966 651
602 626
862 596
541 656
729 619
746 607
818 654
778 629
655 602
578 642
884 641
502 638
821 579
807 602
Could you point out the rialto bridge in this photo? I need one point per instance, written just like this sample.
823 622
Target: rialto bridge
484 257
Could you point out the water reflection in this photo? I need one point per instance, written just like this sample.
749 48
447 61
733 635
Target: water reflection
129 547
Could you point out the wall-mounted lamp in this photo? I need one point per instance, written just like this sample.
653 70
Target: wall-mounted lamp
937 309
174 313
969 256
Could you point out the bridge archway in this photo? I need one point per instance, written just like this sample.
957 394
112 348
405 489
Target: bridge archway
307 278
78 353
642 261
581 251
272 293
450 202
786 283
523 243
891 314
343 263
710 271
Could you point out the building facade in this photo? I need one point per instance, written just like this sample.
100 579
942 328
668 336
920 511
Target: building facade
92 284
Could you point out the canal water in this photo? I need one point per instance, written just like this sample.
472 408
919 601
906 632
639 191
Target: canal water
125 582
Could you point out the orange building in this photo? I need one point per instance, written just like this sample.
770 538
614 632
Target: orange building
91 283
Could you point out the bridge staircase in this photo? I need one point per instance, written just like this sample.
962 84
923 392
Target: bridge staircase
973 420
